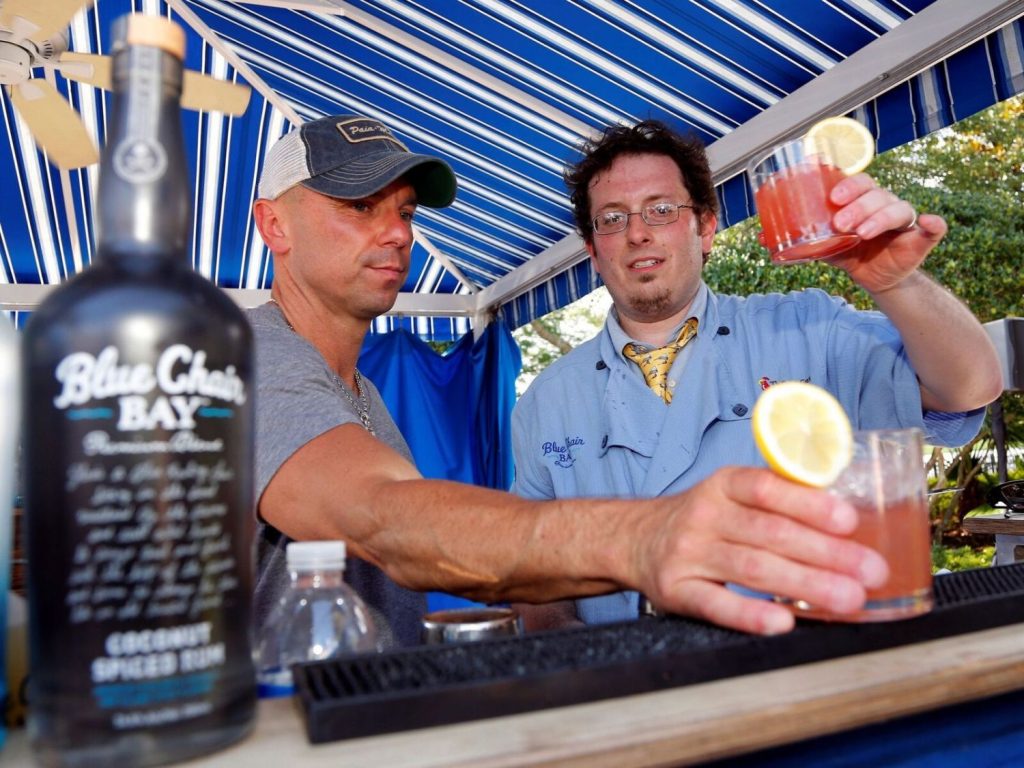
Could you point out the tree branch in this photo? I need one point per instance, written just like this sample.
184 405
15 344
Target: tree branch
551 337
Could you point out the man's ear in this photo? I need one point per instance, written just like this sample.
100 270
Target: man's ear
272 224
589 245
708 226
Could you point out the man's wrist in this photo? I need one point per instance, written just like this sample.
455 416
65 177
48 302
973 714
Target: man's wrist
912 281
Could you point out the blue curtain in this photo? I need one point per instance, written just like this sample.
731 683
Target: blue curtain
454 409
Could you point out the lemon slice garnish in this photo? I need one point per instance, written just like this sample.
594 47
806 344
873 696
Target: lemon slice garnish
803 432
848 144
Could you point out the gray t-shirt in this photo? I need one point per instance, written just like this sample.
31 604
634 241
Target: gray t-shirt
297 400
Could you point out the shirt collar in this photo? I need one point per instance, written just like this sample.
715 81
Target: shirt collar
698 309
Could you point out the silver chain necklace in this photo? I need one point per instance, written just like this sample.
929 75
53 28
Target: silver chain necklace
360 404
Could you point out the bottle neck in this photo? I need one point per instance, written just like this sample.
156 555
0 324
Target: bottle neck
145 206
317 578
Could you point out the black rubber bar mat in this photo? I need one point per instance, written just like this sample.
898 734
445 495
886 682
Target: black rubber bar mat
435 685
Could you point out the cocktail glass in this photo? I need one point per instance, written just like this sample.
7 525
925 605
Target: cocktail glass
791 187
886 484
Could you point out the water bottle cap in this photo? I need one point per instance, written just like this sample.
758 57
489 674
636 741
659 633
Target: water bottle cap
309 555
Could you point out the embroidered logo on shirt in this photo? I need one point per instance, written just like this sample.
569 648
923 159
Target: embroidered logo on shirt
561 453
765 382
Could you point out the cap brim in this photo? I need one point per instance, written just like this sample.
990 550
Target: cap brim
431 177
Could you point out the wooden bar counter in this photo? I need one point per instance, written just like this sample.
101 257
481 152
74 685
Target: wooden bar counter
677 726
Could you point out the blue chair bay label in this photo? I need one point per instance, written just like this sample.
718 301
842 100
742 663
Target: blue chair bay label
157 546
169 395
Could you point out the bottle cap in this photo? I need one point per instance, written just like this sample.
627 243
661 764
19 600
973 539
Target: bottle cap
156 31
312 555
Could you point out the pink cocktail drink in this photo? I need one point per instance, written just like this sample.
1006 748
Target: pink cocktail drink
885 483
796 213
900 533
791 186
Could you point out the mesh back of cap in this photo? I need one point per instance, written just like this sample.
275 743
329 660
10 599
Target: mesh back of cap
284 167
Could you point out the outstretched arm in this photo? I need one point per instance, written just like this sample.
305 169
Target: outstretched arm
952 355
746 526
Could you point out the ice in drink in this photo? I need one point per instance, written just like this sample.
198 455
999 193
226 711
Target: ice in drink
796 213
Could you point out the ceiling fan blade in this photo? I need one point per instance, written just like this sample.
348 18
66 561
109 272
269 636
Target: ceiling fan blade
89 68
203 92
199 91
39 19
54 124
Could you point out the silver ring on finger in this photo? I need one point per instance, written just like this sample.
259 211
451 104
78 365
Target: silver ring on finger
911 226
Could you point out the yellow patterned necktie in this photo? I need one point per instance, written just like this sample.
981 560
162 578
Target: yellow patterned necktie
656 363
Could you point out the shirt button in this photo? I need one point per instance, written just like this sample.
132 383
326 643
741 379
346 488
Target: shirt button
672 384
601 365
739 409
723 330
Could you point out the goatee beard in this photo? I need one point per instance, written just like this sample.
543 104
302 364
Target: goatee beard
650 304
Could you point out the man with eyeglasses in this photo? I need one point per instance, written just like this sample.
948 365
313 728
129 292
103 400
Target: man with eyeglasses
660 400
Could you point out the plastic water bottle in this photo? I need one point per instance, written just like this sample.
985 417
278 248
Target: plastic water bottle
319 617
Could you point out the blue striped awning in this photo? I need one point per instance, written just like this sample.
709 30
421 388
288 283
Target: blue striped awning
505 90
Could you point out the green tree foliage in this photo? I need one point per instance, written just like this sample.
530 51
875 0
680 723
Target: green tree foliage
961 558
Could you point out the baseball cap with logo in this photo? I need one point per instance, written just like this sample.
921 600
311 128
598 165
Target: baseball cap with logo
351 157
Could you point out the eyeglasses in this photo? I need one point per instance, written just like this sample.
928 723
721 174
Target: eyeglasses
654 215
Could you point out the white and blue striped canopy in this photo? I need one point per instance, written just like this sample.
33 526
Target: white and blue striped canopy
505 90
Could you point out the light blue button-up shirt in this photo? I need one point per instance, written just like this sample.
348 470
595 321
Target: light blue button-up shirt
588 426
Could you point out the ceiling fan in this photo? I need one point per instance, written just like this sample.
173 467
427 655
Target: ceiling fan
32 35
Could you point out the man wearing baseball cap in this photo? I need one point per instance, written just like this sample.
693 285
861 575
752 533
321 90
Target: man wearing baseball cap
337 197
350 157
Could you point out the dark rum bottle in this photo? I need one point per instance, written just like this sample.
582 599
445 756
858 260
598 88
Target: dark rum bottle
138 461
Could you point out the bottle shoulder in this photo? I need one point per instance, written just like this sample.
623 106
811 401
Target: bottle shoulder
335 592
339 600
102 294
